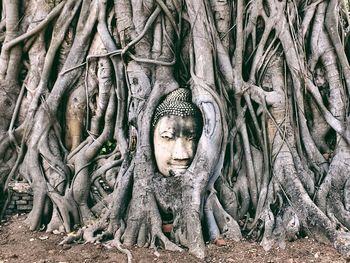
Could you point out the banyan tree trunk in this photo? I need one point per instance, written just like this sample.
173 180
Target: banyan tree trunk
80 81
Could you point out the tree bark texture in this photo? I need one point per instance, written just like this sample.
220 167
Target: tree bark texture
80 81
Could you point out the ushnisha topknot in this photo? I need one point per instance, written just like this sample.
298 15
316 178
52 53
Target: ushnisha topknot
178 103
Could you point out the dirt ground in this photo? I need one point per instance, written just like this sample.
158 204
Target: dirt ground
19 244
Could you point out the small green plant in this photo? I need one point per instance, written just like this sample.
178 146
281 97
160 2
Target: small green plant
108 147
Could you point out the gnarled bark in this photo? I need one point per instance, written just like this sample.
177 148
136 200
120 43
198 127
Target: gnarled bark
269 78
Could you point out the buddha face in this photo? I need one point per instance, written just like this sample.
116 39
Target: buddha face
175 141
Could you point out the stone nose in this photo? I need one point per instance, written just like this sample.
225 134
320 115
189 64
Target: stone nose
182 150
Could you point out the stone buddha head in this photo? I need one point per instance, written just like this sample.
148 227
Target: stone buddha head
177 127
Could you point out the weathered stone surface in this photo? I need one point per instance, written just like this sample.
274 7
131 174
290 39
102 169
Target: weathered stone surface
21 199
27 197
24 207
20 187
21 202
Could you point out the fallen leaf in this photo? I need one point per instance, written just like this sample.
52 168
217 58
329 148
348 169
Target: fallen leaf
220 242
